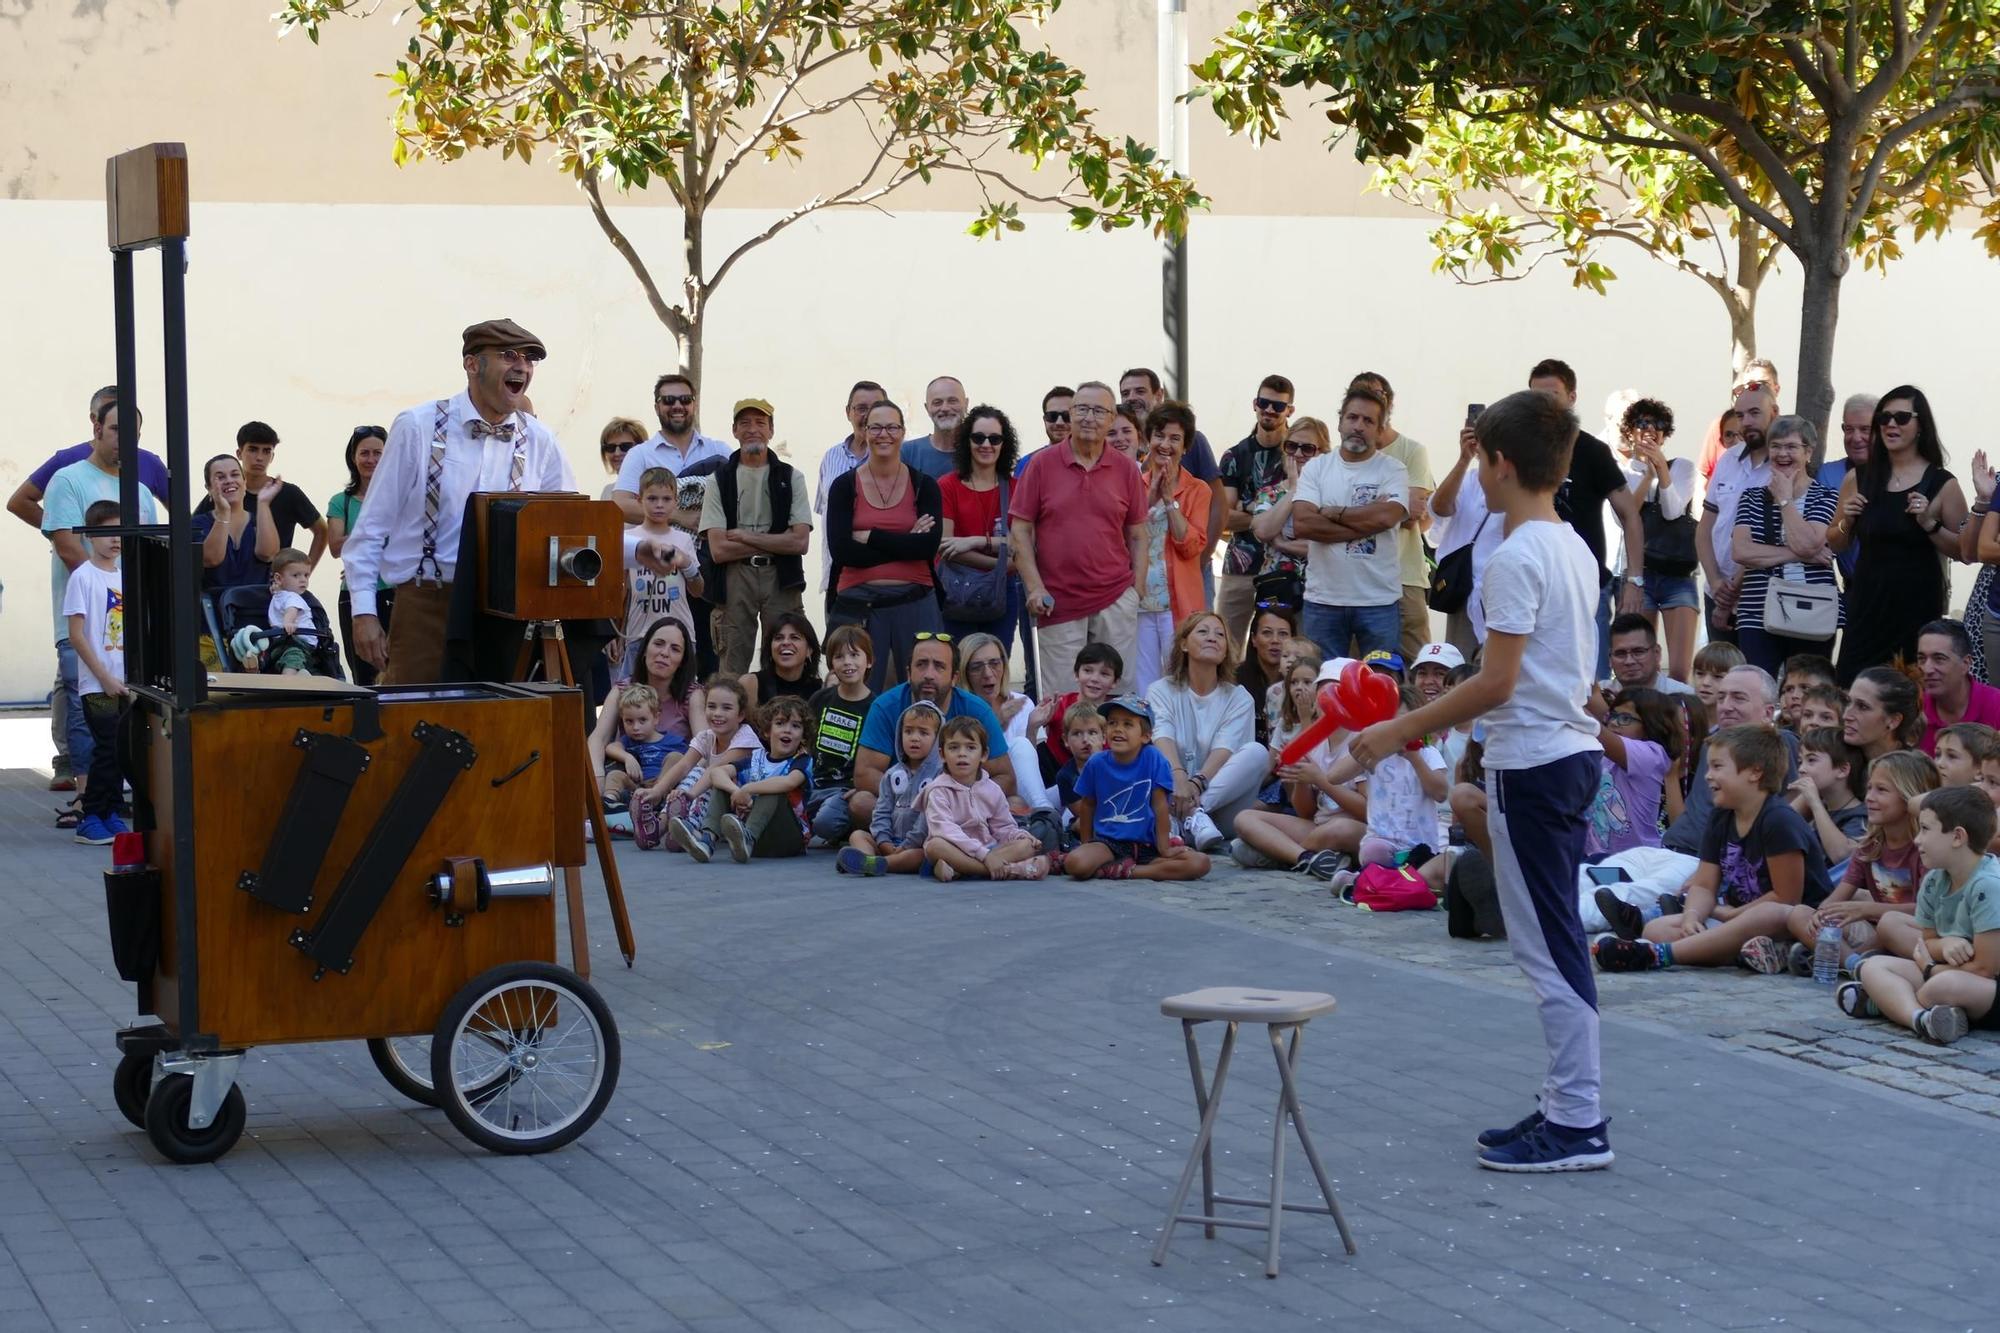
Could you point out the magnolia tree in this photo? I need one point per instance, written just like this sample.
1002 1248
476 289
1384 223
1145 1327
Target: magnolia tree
684 96
1837 129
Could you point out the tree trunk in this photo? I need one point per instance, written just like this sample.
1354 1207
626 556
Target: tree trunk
694 295
1819 316
1741 296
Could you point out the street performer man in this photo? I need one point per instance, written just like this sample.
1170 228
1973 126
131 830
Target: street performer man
438 454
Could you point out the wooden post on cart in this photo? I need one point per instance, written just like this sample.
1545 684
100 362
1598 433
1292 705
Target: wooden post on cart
544 559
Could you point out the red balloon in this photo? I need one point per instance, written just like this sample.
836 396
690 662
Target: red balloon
1353 699
1381 700
1332 717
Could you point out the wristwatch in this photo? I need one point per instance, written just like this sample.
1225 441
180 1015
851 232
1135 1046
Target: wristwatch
1636 580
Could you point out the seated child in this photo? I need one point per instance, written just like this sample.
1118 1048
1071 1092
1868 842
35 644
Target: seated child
1316 836
1883 872
893 842
837 712
674 796
1399 808
637 756
1083 736
1801 672
758 806
290 614
1758 862
1827 793
1297 710
1098 667
1989 782
1122 821
1297 651
1961 748
1641 734
1946 988
970 833
1821 706
1714 661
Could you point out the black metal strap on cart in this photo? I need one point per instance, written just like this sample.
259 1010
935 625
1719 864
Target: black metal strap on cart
306 826
443 755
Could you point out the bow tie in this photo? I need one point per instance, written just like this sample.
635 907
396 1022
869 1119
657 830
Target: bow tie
478 429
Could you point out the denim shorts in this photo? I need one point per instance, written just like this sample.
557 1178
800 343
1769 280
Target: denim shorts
1665 592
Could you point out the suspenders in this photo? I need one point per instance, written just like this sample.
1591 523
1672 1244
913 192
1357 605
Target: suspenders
428 568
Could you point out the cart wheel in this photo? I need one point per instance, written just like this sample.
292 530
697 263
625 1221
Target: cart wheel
131 1084
406 1063
530 1054
167 1122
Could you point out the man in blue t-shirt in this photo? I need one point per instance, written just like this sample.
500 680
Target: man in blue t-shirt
933 667
1121 805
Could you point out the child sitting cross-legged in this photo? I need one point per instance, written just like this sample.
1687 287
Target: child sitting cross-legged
674 797
1399 808
893 842
1317 836
637 756
1884 871
758 806
1758 862
1083 736
1827 793
1122 821
970 833
1946 988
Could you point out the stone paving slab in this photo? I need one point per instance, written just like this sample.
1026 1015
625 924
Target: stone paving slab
891 1104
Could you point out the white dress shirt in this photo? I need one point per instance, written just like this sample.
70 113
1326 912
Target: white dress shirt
388 539
834 464
659 451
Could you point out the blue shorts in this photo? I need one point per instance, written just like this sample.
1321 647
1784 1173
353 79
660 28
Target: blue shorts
1665 592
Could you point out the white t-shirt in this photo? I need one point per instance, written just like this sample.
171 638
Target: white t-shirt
1195 724
648 596
1726 487
98 595
1398 810
1542 585
1472 523
283 601
1359 573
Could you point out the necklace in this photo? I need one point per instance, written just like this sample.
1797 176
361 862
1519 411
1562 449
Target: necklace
877 494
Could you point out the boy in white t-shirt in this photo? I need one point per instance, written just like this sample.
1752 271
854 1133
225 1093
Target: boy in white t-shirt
94 610
1539 594
650 593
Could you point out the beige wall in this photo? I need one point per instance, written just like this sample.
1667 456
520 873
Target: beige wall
327 289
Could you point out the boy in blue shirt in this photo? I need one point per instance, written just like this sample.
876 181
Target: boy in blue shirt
1122 823
1539 593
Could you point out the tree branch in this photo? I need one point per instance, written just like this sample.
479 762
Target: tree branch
1902 51
1943 109
854 195
1747 136
671 316
1746 203
1677 141
1810 71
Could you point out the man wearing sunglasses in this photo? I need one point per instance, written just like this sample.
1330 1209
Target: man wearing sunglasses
677 447
1253 475
1055 425
438 454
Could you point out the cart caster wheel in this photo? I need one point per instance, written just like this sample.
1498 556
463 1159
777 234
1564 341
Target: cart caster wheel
131 1085
406 1063
529 1054
167 1122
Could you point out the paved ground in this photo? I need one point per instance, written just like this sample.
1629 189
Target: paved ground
897 1105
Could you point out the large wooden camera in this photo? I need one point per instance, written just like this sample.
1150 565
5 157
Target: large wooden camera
550 556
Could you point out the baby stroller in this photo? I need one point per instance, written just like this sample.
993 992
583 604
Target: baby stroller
250 644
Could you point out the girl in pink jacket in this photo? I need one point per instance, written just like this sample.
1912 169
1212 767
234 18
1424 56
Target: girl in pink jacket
972 833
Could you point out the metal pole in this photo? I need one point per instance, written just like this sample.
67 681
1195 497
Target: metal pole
1174 152
190 680
125 333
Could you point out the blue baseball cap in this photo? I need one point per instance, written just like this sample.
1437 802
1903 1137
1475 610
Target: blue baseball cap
1130 703
1384 660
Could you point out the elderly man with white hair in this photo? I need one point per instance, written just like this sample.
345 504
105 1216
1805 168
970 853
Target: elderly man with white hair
1857 415
1747 696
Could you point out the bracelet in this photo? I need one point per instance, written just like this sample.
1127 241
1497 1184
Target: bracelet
1200 781
1935 528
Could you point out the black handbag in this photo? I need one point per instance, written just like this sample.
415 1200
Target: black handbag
1451 581
976 596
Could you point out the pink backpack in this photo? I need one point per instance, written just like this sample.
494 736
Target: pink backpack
1393 889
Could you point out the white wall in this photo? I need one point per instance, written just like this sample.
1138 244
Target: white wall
317 318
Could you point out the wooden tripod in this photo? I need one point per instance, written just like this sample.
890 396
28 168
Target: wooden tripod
548 635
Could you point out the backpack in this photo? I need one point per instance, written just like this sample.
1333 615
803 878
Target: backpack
1393 889
1471 901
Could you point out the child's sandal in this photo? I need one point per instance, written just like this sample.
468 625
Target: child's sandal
1035 867
1854 1001
1119 869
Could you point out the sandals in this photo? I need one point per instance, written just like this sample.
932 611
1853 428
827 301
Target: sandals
69 816
1035 867
1119 869
1853 1000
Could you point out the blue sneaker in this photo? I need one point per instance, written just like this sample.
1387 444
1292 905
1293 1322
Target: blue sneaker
93 831
854 861
116 825
1552 1147
1495 1138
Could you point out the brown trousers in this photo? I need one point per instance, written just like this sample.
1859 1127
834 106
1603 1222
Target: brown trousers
416 636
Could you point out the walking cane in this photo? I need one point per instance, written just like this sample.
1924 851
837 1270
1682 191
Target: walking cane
1032 682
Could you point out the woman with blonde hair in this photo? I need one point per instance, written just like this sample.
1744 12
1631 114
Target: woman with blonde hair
1206 726
619 437
1281 579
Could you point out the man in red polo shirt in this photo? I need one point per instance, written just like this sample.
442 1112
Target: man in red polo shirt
1951 695
1079 525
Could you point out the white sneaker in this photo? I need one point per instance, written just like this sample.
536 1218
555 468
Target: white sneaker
1203 834
1249 857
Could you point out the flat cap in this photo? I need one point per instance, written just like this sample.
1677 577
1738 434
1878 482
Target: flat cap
753 405
502 333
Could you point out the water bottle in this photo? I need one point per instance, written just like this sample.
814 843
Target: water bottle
1826 955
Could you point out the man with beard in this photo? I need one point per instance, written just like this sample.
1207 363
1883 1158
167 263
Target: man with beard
1740 469
757 520
934 455
437 454
933 667
1347 508
1951 695
677 447
1635 658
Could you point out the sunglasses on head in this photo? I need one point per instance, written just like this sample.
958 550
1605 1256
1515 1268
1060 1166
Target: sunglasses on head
1896 418
375 431
674 399
932 636
1753 385
1053 417
987 437
1270 405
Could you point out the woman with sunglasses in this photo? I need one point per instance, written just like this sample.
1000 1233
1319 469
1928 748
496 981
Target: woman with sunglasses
974 500
619 437
1905 510
1281 578
343 511
884 521
1170 589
